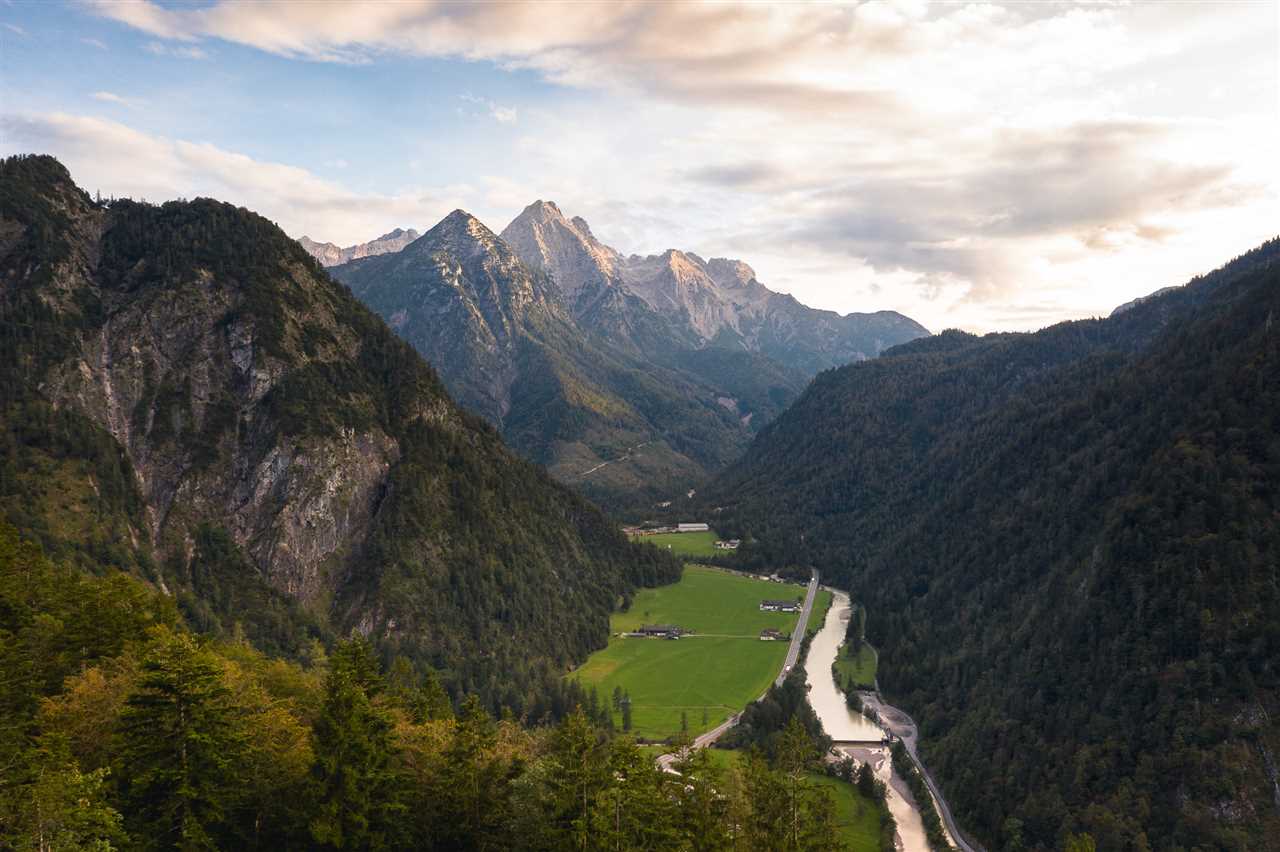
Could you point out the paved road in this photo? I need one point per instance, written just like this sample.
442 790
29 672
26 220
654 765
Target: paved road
904 727
793 654
797 635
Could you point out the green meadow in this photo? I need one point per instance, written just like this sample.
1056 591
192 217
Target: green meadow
684 544
710 675
860 668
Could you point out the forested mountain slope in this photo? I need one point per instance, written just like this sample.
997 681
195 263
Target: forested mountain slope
623 429
1069 544
186 393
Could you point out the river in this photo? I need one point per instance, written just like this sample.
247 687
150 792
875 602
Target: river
846 726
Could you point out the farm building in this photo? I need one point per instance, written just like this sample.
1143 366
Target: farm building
771 635
731 544
692 528
666 631
779 606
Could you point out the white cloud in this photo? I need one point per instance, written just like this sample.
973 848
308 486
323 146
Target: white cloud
176 51
499 113
942 159
118 160
14 28
93 42
113 98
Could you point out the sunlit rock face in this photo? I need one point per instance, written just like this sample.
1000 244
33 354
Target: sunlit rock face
679 299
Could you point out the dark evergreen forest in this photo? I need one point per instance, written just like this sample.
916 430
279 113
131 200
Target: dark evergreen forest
1069 547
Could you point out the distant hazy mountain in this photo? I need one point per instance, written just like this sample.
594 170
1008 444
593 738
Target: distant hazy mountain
622 428
331 255
693 302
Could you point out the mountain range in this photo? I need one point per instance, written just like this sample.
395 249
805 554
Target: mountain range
633 379
717 302
188 395
1067 543
330 254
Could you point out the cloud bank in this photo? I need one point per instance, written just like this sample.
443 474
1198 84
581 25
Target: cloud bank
941 159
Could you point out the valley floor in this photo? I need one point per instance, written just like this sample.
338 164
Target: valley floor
702 679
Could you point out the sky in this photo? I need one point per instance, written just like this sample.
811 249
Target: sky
985 166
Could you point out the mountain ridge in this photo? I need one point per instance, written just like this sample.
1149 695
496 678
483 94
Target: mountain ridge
330 254
197 401
625 430
716 302
1066 542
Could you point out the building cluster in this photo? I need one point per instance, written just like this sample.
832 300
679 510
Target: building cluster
731 544
769 634
661 631
780 606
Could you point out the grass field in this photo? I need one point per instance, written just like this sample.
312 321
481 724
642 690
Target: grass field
684 544
856 817
861 668
719 670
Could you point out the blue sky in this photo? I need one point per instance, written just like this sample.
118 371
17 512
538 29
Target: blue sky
986 166
381 115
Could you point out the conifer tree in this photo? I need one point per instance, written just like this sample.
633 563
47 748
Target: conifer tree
183 746
355 784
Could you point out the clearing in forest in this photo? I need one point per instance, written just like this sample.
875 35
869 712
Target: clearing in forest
685 544
709 675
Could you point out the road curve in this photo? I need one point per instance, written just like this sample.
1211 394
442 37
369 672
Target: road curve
793 654
905 728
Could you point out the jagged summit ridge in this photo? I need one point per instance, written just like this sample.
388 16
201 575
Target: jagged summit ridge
330 254
564 248
719 301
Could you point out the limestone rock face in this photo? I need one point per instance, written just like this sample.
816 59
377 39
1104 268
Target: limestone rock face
678 299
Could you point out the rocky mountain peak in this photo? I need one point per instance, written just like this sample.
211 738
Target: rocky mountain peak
464 236
396 234
706 300
331 254
566 249
730 273
543 211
